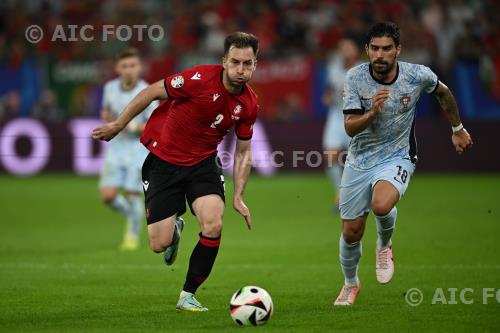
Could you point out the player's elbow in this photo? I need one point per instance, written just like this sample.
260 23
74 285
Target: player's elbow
156 91
349 129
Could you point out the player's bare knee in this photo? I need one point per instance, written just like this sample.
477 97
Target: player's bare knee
157 245
352 233
381 207
107 198
212 228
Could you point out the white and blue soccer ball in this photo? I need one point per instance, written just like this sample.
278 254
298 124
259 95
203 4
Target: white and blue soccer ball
251 305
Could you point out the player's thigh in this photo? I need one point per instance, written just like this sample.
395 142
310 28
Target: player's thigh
164 190
384 197
205 196
160 233
389 184
209 211
355 193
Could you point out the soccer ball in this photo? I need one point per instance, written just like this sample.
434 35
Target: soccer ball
251 306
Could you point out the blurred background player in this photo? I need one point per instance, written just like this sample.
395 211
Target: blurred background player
205 102
335 139
380 98
120 181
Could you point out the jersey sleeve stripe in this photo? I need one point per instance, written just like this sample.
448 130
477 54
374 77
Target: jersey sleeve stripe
243 138
435 88
354 111
165 86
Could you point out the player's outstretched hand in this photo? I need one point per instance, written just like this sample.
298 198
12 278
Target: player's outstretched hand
461 140
107 131
241 208
378 100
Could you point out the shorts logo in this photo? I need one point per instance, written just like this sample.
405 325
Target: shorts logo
405 101
146 185
177 81
223 182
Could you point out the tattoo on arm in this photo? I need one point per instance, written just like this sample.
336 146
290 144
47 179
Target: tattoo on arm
448 103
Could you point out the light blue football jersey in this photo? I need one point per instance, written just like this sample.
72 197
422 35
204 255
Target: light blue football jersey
391 135
125 149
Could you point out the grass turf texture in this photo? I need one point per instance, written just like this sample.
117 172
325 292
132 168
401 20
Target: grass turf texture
60 269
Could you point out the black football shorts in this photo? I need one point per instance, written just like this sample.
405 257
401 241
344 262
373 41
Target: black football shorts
167 186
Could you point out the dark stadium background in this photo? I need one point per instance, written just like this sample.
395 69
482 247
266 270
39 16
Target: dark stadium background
60 269
56 82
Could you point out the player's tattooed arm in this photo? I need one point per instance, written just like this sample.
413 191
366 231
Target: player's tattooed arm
241 171
355 123
461 139
448 103
109 130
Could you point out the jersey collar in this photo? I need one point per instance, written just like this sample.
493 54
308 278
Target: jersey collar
384 83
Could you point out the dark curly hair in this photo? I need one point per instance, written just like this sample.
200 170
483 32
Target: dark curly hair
384 29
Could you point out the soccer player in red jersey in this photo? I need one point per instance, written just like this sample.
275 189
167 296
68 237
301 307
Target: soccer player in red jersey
182 135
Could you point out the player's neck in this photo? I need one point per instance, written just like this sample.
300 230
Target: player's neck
127 85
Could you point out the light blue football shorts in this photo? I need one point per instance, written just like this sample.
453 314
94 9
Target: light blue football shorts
125 177
334 134
357 185
122 168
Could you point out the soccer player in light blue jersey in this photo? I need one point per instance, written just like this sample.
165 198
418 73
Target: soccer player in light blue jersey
379 114
125 155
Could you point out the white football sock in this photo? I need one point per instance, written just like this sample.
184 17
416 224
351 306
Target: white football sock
385 227
121 205
349 258
134 218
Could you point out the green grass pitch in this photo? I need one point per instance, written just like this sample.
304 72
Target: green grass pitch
60 270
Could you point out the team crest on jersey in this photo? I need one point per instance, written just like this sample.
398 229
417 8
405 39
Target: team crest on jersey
177 81
236 112
405 101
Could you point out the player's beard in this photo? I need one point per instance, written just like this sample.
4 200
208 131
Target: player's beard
384 71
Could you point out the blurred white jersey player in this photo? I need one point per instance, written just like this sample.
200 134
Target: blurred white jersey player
125 154
335 139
